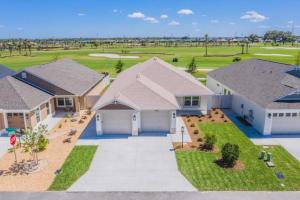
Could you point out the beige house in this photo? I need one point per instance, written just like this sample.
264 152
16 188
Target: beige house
147 97
37 93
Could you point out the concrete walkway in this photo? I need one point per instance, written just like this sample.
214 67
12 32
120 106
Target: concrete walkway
290 142
144 163
152 196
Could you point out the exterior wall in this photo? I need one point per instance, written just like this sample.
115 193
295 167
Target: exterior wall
31 121
76 102
1 122
16 120
43 111
259 114
52 106
216 86
42 84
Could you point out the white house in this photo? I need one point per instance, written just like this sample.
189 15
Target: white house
147 97
265 93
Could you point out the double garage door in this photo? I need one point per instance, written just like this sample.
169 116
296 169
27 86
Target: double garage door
120 121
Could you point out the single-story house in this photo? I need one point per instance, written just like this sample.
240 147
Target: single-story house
146 98
71 83
38 92
265 93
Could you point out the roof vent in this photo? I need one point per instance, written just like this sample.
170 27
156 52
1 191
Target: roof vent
138 76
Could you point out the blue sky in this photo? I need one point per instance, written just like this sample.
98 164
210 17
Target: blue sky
100 18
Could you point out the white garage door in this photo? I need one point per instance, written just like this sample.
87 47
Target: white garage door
155 121
286 125
117 121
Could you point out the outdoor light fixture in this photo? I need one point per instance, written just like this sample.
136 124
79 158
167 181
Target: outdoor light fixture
174 115
134 117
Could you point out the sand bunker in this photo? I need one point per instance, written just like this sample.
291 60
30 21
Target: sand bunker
273 55
286 48
114 56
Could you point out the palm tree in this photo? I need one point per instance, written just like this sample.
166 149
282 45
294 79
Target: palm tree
119 66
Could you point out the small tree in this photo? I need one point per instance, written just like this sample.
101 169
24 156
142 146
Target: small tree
209 142
230 154
119 66
192 66
34 140
298 59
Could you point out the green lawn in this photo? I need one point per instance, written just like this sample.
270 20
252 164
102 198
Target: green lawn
74 167
200 168
184 55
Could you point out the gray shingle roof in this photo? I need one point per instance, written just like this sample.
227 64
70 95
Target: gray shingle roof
68 75
153 84
263 82
17 95
4 71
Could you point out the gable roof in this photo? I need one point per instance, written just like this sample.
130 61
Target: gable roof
67 75
17 95
153 84
261 81
4 71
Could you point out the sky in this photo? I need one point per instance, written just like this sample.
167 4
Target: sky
146 18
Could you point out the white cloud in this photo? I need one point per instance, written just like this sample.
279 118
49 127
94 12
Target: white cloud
232 23
137 15
194 23
254 16
174 23
151 20
19 28
185 12
214 21
164 16
197 30
203 15
2 26
81 14
115 10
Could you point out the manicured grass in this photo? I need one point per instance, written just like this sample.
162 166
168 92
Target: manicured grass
184 55
202 171
74 167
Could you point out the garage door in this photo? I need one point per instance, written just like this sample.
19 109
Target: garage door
117 121
286 125
155 121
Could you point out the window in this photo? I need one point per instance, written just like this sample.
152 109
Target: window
37 115
191 101
187 101
281 115
9 114
242 105
64 102
294 114
225 91
195 101
60 102
69 102
251 114
47 108
24 75
275 114
288 114
15 114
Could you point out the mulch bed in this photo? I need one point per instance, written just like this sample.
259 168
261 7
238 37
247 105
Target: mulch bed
239 165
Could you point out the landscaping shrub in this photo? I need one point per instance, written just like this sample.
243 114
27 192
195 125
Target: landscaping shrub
230 154
196 131
222 116
209 142
189 120
193 125
42 143
200 120
199 139
175 60
225 121
59 126
236 59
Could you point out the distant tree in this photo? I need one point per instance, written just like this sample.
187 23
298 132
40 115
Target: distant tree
298 59
253 38
119 66
206 44
192 66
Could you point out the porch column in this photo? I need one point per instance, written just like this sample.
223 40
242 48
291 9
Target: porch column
173 122
99 128
136 123
5 120
268 123
25 120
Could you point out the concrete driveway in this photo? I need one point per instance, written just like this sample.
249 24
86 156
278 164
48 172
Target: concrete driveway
4 145
143 163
